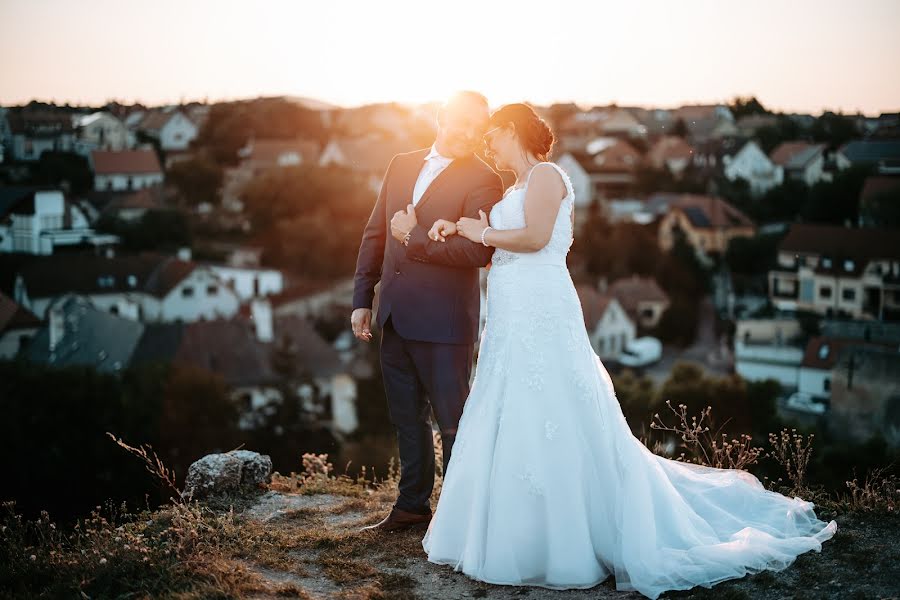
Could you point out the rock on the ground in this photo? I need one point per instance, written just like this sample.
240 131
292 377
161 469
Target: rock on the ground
234 471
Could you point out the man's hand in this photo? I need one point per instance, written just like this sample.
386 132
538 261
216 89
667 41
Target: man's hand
403 222
361 321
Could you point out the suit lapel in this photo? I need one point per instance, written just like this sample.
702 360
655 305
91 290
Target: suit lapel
442 178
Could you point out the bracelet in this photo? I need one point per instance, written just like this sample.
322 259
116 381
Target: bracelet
406 238
484 231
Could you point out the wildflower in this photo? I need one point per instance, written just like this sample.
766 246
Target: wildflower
102 561
33 557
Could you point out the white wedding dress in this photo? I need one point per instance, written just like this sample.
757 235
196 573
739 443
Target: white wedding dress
547 486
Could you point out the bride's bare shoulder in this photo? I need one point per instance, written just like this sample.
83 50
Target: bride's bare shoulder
546 179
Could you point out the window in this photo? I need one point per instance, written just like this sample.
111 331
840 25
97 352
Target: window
212 290
114 309
823 351
848 266
826 384
825 291
848 294
826 262
187 292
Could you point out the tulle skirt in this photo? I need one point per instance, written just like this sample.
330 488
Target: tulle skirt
547 486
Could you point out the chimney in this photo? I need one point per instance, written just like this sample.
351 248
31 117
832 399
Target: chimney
57 326
261 313
184 253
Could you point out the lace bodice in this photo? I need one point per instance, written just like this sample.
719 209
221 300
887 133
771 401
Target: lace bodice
509 213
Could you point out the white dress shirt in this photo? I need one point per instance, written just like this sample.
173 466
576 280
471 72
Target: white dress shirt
434 164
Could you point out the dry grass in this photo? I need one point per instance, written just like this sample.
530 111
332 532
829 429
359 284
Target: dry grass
199 550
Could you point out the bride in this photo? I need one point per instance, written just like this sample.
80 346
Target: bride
547 486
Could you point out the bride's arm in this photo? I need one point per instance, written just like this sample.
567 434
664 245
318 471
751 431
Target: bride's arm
543 197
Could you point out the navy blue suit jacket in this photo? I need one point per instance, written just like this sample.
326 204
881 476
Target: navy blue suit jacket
431 289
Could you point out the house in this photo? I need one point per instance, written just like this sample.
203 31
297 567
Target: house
670 152
312 299
102 131
749 162
257 355
36 220
35 131
865 395
249 282
733 159
125 169
705 121
368 156
608 325
78 333
707 223
749 125
769 349
581 180
612 166
801 161
619 122
148 287
833 270
131 207
261 154
878 192
884 155
821 358
170 126
642 298
317 360
17 326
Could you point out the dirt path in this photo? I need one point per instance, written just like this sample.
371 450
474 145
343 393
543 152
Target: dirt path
325 556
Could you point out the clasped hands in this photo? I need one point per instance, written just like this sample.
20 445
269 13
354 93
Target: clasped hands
403 222
467 227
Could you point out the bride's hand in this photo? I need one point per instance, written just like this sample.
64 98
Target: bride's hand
471 228
441 230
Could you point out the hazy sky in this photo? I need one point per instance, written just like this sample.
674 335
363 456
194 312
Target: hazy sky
794 55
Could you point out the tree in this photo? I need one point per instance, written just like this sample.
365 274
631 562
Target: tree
837 201
752 255
65 169
309 219
744 106
156 230
198 180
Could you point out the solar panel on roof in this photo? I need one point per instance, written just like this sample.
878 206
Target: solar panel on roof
697 217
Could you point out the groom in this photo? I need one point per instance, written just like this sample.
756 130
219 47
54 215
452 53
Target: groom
429 299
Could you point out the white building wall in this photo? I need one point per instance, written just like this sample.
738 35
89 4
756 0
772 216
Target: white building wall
200 295
120 181
249 283
177 133
815 382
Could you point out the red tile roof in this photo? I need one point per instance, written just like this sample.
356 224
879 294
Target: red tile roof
593 304
823 352
13 316
670 147
633 290
109 162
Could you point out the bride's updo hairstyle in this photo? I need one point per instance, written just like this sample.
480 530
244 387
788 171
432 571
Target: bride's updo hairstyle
533 132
